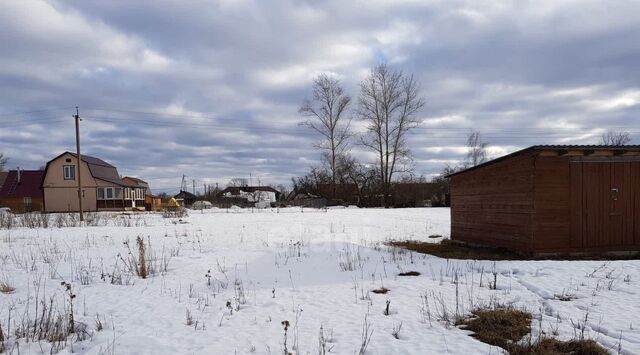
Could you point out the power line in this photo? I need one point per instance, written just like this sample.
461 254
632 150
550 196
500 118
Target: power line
256 129
36 111
207 116
31 123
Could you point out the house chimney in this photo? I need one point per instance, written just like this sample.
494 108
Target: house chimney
18 174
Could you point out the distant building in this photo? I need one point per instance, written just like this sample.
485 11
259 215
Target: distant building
259 196
414 194
151 201
185 198
21 190
102 188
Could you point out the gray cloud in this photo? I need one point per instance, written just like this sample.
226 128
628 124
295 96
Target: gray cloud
226 78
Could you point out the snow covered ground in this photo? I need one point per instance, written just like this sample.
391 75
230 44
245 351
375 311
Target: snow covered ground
239 275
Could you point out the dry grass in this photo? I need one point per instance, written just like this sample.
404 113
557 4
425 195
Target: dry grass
550 346
452 250
505 327
499 327
449 249
6 288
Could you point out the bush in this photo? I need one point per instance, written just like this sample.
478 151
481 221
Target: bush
178 212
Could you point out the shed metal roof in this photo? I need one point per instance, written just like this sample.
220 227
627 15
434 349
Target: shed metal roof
594 147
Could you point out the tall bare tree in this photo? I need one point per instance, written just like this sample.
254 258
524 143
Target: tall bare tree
476 150
3 161
326 114
388 103
615 138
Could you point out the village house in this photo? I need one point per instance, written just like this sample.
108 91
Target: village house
151 201
21 190
185 198
102 187
551 199
258 196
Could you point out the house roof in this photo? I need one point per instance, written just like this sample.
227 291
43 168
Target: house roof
185 195
99 169
140 183
560 148
30 184
235 190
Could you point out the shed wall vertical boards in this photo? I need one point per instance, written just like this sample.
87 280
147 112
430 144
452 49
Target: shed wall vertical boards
551 199
493 205
605 204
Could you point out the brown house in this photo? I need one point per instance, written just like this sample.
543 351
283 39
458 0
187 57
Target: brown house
22 190
102 188
151 202
551 199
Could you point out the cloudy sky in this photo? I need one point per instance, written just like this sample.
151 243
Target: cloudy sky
210 89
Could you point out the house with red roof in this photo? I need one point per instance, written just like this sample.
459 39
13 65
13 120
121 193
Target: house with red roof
22 191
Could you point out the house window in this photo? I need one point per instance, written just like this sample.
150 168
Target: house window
109 193
27 201
69 172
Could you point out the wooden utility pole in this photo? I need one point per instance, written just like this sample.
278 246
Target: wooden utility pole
79 174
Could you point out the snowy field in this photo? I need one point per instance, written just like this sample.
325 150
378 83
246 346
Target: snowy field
223 283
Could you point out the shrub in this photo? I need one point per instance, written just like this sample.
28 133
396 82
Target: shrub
178 212
6 288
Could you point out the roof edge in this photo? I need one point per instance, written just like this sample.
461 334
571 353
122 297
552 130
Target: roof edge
547 147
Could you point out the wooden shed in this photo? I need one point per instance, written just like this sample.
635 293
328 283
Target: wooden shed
551 199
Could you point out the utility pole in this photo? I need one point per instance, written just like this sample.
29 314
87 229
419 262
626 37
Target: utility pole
79 173
194 186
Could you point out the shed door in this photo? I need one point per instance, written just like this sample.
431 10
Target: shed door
606 204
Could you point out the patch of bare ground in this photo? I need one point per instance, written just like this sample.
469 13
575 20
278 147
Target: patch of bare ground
452 250
6 288
380 291
499 327
449 249
409 273
550 346
505 327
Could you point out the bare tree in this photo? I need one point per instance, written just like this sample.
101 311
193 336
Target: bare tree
477 150
238 182
3 161
441 182
326 112
615 138
361 175
388 103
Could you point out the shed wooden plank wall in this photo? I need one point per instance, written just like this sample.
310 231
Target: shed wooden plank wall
601 219
551 201
552 204
494 205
